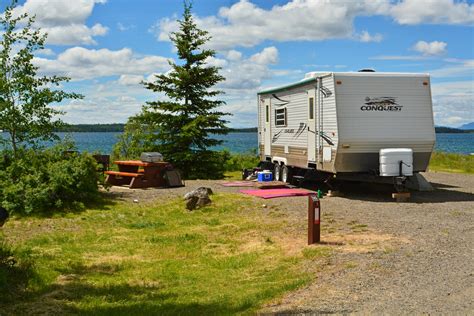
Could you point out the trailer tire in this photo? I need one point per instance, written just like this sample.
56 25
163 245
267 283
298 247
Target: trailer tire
286 174
245 174
276 172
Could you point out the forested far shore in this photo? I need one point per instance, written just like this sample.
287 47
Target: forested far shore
119 127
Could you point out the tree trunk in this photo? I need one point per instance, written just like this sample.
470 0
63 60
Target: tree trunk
13 141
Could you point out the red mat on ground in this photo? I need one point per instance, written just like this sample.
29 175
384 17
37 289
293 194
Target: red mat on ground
274 193
237 184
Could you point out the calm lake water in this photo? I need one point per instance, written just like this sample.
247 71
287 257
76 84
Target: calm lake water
246 142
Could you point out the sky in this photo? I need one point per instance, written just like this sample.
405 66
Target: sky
109 47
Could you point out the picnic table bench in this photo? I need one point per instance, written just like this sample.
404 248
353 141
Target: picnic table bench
138 174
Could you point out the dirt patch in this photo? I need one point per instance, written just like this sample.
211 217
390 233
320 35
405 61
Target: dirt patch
365 242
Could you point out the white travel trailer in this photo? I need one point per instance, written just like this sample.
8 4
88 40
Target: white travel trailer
338 123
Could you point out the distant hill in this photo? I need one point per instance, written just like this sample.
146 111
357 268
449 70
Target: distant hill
245 130
444 129
119 127
468 126
83 128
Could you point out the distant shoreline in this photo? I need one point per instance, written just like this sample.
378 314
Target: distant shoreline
119 127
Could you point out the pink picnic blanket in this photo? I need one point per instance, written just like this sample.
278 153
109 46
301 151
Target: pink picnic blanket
274 193
237 184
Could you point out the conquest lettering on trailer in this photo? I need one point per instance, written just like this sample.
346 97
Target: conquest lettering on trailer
381 104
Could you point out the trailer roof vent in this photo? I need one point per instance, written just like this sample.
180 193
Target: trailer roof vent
367 70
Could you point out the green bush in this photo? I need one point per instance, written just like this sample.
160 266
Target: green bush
204 164
237 162
47 181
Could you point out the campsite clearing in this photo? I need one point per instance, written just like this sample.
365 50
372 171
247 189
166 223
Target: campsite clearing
245 254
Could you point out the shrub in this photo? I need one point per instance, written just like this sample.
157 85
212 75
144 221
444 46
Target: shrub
47 181
237 162
205 164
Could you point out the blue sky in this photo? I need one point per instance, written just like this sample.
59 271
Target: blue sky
108 47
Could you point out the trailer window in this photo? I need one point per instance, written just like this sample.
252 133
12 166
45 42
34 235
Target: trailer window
311 108
280 117
267 113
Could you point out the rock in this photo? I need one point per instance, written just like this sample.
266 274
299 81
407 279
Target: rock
198 198
191 202
3 216
203 201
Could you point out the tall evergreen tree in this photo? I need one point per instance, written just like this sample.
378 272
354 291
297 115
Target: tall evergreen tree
185 122
24 96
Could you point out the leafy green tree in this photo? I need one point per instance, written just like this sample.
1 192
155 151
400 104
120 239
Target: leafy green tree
185 121
135 139
25 113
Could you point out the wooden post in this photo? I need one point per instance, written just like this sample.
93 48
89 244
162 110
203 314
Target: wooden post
314 219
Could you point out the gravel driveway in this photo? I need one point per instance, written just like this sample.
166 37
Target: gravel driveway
419 257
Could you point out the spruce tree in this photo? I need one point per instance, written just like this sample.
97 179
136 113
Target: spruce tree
186 120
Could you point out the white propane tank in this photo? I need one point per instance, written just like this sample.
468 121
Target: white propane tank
390 158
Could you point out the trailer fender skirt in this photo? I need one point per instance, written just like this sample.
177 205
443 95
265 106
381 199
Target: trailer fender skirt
280 160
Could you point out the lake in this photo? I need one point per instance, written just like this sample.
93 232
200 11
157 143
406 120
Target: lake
246 142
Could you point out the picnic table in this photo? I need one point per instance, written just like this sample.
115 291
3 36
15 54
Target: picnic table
138 174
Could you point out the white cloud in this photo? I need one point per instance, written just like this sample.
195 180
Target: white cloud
245 24
126 98
453 103
105 102
433 11
215 62
398 57
122 27
366 37
64 20
45 52
130 80
434 48
233 55
244 77
268 55
80 63
458 68
248 73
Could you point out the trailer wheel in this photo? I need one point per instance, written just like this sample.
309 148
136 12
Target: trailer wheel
276 172
286 174
245 174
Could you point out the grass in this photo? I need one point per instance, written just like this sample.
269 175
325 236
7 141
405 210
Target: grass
15 271
233 175
135 259
448 162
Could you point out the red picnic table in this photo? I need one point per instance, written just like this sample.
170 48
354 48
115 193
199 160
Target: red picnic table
137 174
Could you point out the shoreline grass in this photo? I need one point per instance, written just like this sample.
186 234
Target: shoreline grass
450 162
231 257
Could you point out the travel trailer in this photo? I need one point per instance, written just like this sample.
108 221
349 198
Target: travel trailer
354 125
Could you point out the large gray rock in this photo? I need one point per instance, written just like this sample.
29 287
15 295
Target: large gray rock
198 198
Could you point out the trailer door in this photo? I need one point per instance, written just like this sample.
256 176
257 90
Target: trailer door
267 130
311 125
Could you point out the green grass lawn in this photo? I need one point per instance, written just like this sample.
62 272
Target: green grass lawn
448 162
158 258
